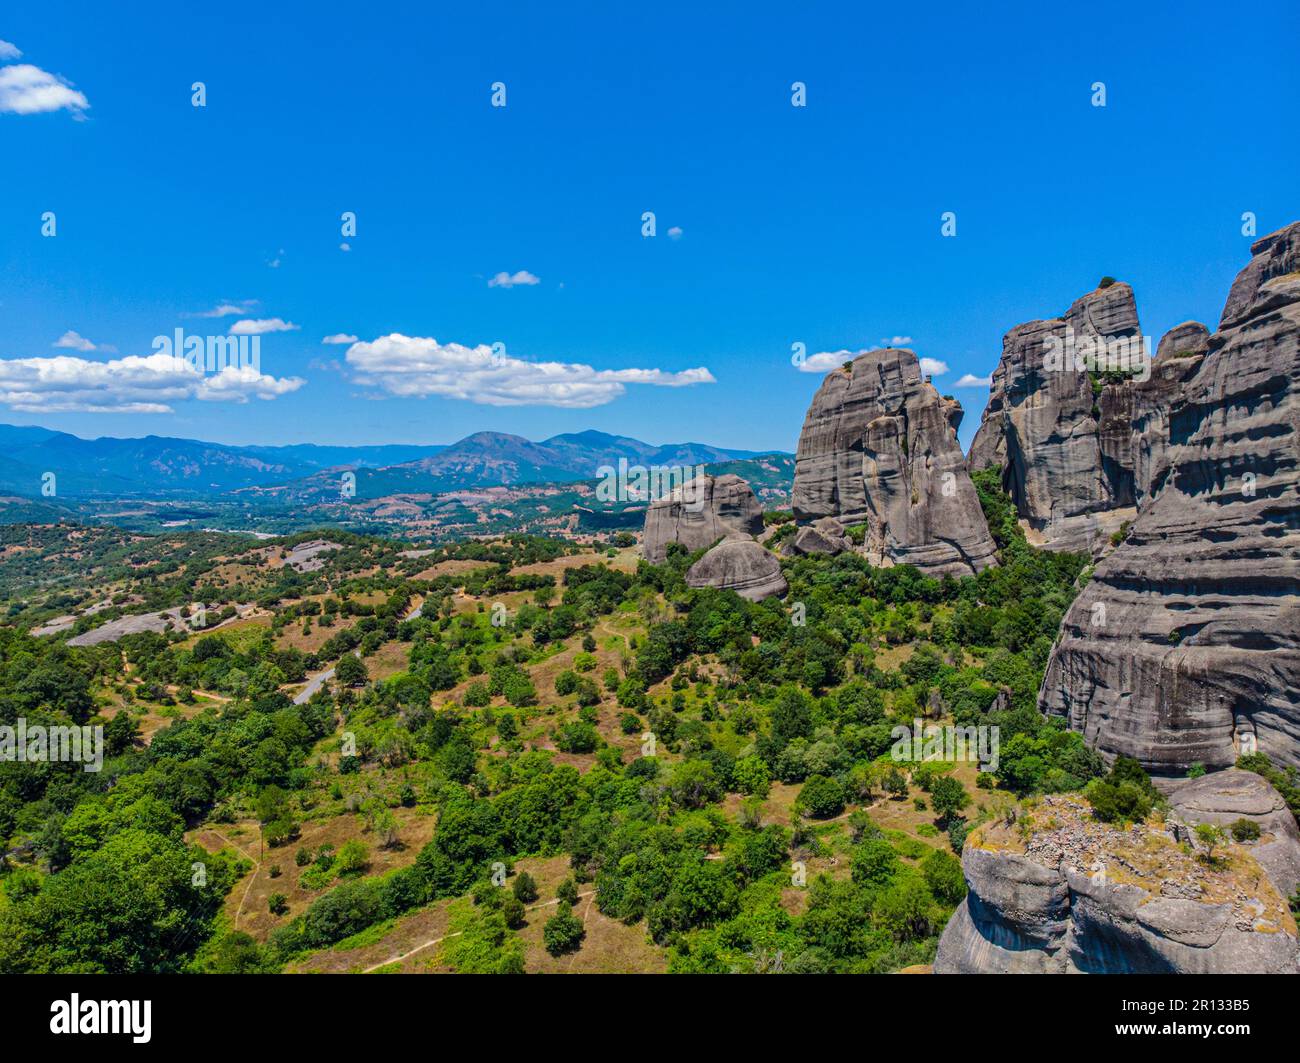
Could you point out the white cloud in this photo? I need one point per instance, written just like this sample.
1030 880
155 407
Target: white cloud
261 326
27 89
970 380
243 306
896 341
74 341
9 51
509 280
340 337
417 367
825 361
345 246
675 233
66 384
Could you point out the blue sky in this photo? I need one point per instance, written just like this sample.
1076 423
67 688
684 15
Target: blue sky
817 225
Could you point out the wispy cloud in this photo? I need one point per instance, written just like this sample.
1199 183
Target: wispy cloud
675 233
896 341
510 280
150 384
27 89
9 51
933 367
242 306
74 341
339 337
970 380
417 367
261 326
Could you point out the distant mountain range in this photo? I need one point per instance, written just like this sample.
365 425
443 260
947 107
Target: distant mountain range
162 467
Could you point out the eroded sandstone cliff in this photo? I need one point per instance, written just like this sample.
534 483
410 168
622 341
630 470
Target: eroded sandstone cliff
1185 645
879 446
1062 436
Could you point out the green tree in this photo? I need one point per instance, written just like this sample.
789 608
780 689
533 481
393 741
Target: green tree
563 933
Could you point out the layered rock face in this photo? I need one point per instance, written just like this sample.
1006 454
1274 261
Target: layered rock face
1060 893
700 513
1064 451
1179 356
879 446
1185 645
739 564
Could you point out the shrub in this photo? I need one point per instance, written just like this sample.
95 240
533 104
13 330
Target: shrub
822 796
1244 830
567 892
563 933
524 887
512 910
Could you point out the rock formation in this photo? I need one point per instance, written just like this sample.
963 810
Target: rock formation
823 536
699 513
741 565
1061 436
879 446
1184 646
1058 892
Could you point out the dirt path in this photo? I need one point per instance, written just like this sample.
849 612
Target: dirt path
434 941
257 866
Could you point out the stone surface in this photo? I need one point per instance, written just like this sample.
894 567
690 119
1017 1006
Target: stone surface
739 564
879 446
699 513
1060 893
1179 356
1185 644
1064 451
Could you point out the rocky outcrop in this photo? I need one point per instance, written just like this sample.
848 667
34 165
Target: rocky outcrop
1057 892
1184 646
879 447
699 513
823 536
739 564
1061 436
1224 797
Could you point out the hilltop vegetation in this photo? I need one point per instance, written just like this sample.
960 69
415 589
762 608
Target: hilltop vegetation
530 755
